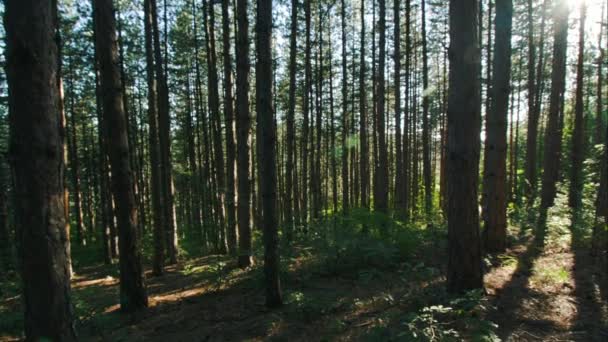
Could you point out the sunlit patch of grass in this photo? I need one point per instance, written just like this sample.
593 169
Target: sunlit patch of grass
550 275
508 261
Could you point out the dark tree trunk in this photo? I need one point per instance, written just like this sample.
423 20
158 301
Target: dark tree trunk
230 143
75 168
577 154
6 249
399 179
306 113
214 111
599 239
599 123
381 202
462 169
530 167
164 143
532 146
426 145
553 132
268 183
495 167
133 294
345 147
363 148
291 131
243 125
36 156
158 259
406 115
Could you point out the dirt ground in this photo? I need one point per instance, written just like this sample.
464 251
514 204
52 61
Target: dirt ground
550 290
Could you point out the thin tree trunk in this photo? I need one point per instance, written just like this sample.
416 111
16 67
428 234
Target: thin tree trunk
530 167
243 125
577 153
381 202
426 153
290 178
230 142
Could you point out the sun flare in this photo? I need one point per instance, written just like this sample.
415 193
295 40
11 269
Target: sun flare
594 7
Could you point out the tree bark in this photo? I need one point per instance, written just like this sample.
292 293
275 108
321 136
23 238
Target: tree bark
381 202
464 125
164 142
133 294
426 145
36 156
345 148
243 125
158 212
268 183
577 153
230 142
553 132
495 168
530 167
291 131
306 113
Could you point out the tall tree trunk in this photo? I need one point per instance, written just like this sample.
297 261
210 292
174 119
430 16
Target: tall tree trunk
230 143
399 179
75 167
306 113
464 125
381 202
158 212
532 154
345 148
164 140
316 180
407 132
268 183
6 249
332 128
214 112
599 239
36 156
243 125
363 148
599 123
290 197
495 167
577 154
553 133
426 145
133 294
531 141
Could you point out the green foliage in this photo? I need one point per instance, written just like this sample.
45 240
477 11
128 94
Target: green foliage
363 241
309 308
446 322
11 320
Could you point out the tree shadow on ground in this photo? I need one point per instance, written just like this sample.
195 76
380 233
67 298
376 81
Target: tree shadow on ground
191 303
512 298
590 286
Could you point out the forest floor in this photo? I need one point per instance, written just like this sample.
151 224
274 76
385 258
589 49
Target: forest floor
550 291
